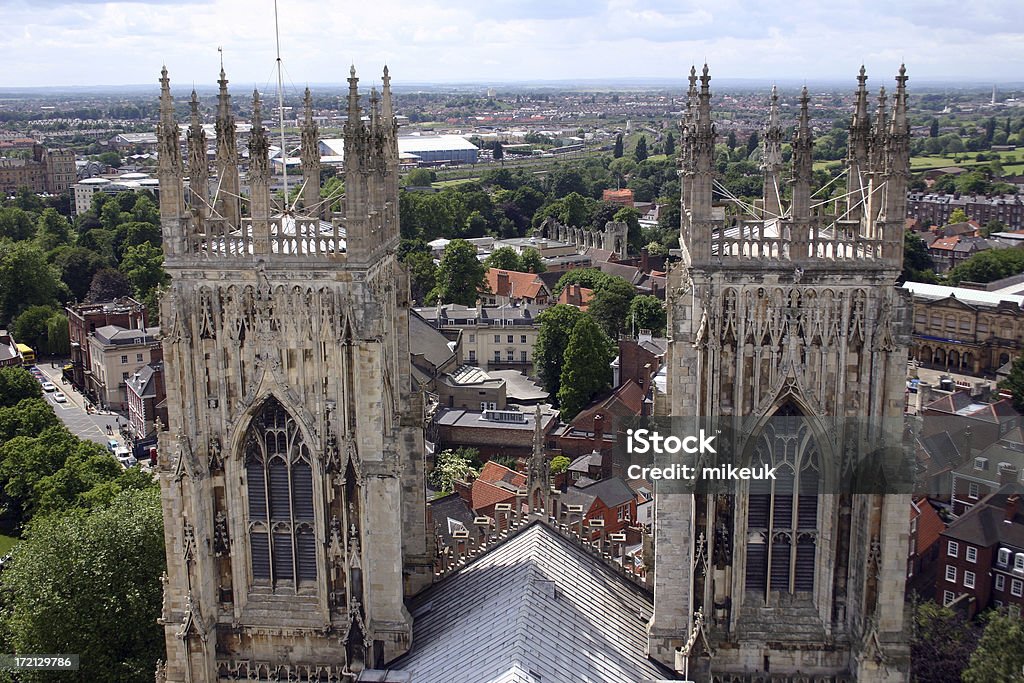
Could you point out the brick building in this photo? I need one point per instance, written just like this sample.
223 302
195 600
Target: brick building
981 556
935 209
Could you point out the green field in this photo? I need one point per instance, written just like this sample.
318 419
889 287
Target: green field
6 543
457 181
927 163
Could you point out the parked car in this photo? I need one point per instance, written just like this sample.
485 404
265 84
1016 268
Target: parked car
125 457
49 386
59 397
112 445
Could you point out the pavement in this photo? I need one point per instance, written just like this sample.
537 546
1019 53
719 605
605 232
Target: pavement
91 426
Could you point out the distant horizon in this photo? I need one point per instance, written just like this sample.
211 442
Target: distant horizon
565 83
59 43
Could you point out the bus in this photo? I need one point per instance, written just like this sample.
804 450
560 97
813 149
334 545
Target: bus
28 356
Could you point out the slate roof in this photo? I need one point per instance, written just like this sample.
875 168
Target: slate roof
535 609
448 513
612 492
985 523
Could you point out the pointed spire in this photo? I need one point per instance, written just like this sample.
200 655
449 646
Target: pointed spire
374 108
354 114
387 110
193 105
257 117
803 161
307 106
860 115
899 105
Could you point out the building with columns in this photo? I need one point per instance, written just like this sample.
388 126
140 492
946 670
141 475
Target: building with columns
291 469
786 325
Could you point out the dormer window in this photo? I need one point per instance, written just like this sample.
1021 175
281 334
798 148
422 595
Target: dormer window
981 464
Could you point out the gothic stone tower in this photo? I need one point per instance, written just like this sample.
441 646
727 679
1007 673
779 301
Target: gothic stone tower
789 314
291 469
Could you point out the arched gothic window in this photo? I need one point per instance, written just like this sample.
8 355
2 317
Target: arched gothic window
279 488
782 514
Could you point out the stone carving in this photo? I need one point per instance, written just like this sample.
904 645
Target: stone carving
221 539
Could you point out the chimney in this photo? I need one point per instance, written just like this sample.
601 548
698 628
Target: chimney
1007 474
464 489
1012 503
645 261
644 336
598 430
503 288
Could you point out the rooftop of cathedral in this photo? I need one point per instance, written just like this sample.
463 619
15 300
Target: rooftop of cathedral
534 608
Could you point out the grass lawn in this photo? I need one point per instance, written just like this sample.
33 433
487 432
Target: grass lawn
6 543
457 181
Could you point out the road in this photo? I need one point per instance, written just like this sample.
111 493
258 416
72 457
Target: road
83 425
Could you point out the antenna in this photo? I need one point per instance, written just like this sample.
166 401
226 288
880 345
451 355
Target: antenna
280 107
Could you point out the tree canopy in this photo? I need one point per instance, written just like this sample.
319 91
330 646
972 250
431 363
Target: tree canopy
586 369
556 324
988 265
459 277
1014 383
89 583
1000 653
451 466
647 312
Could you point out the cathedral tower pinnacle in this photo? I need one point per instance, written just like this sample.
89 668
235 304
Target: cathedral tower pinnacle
310 157
291 471
228 200
788 334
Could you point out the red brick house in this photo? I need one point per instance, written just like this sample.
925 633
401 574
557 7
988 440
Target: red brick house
981 556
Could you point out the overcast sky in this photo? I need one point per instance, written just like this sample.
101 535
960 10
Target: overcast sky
84 42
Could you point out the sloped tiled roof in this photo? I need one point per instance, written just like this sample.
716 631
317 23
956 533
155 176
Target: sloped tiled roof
985 523
535 609
514 283
929 525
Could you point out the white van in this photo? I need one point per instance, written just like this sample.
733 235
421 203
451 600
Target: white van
125 457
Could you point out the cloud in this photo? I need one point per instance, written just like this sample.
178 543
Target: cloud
99 42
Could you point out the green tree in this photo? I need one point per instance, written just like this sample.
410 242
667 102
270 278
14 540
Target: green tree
15 224
26 279
29 417
752 143
58 337
108 284
1000 653
640 153
933 129
586 368
531 261
957 216
16 385
989 265
79 575
917 262
499 152
610 305
53 230
670 144
421 177
617 148
143 265
460 275
422 273
730 140
451 466
1014 383
77 266
647 313
590 278
556 324
941 643
559 464
111 159
31 326
504 258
